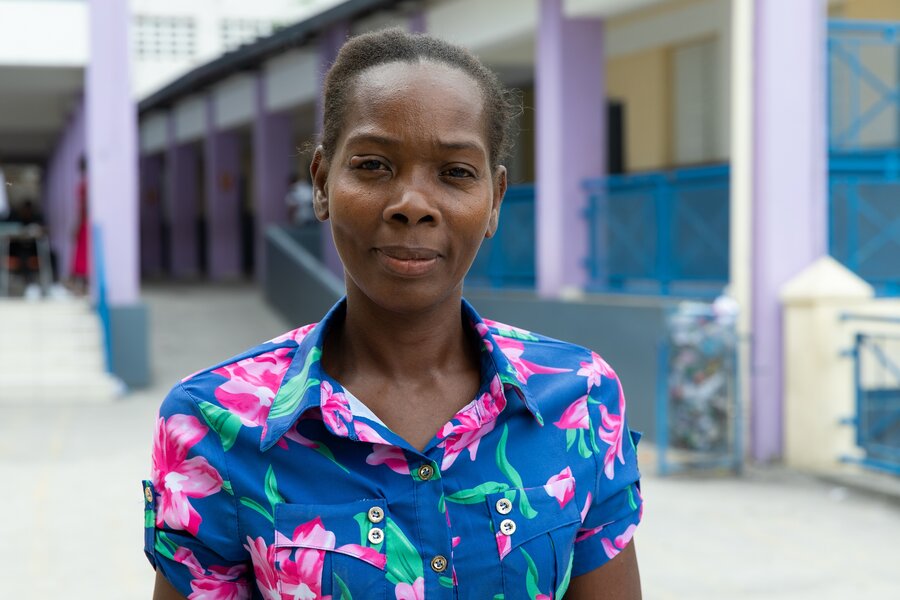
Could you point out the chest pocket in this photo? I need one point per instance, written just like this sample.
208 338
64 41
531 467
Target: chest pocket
535 540
331 551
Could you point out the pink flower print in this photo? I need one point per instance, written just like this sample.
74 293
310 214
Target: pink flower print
252 384
465 434
610 431
416 591
216 583
390 456
504 327
587 507
263 559
575 416
365 433
561 486
504 545
595 370
613 547
177 478
369 555
483 331
296 335
513 350
302 559
335 409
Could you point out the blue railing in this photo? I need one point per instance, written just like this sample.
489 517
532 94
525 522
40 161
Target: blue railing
863 85
864 216
876 372
663 232
508 259
99 271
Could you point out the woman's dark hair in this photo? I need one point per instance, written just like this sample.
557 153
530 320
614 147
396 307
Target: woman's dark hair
395 45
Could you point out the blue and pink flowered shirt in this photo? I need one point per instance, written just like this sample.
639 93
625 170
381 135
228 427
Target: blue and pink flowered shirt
269 480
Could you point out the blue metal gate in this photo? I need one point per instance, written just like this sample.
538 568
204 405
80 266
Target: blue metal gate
877 379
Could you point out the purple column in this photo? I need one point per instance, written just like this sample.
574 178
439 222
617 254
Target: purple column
222 152
329 46
272 150
571 138
181 205
112 147
417 21
789 190
151 214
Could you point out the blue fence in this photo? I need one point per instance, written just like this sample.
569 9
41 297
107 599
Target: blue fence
508 259
877 419
864 219
661 232
863 85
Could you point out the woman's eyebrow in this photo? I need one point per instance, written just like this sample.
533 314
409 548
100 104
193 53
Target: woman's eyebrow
382 140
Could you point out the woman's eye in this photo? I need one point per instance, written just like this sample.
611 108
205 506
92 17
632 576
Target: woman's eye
458 172
371 165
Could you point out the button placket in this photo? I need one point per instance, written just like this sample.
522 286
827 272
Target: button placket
376 535
375 515
507 527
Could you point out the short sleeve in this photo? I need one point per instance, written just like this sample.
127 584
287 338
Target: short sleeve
615 507
190 516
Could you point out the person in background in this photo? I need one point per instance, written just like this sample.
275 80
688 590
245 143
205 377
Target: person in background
299 200
79 271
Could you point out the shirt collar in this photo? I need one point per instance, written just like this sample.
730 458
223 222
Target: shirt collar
300 389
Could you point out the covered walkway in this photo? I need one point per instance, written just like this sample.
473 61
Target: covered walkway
73 507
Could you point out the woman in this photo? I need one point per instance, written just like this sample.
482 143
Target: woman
403 447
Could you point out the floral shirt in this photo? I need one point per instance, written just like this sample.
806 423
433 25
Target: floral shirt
271 481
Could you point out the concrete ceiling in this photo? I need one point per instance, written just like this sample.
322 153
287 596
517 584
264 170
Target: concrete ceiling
34 105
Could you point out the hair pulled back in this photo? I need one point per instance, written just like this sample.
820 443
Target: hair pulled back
369 50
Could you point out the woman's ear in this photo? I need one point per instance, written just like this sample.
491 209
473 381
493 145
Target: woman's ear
318 170
500 186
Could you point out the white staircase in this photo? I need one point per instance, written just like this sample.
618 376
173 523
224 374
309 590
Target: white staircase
52 352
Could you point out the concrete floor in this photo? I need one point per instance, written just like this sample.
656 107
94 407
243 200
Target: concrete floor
71 503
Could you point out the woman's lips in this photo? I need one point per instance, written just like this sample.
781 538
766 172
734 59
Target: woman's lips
407 262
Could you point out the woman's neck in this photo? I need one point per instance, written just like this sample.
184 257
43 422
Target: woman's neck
398 345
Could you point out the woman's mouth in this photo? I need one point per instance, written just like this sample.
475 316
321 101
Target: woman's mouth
407 261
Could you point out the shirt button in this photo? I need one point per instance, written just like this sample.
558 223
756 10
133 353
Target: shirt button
376 535
376 515
504 506
148 494
507 527
426 472
438 564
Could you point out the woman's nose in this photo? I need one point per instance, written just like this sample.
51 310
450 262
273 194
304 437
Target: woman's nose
413 205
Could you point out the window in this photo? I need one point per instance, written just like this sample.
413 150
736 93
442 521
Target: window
235 32
164 38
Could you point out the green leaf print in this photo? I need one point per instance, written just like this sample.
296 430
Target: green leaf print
291 393
571 436
225 423
149 518
272 489
226 485
525 336
404 565
631 501
582 446
445 581
476 494
362 519
531 578
594 440
344 593
510 472
165 546
324 451
251 503
564 584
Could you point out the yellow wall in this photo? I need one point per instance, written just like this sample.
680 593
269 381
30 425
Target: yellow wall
642 82
879 10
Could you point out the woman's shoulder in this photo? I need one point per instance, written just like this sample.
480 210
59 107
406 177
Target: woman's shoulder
243 384
522 344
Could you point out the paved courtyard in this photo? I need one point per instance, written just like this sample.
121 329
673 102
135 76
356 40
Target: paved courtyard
71 504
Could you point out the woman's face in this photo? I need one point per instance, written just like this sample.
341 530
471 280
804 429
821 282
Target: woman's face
409 188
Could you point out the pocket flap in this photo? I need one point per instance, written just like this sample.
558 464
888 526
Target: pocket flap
343 528
532 511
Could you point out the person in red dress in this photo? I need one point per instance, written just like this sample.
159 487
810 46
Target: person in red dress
79 271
